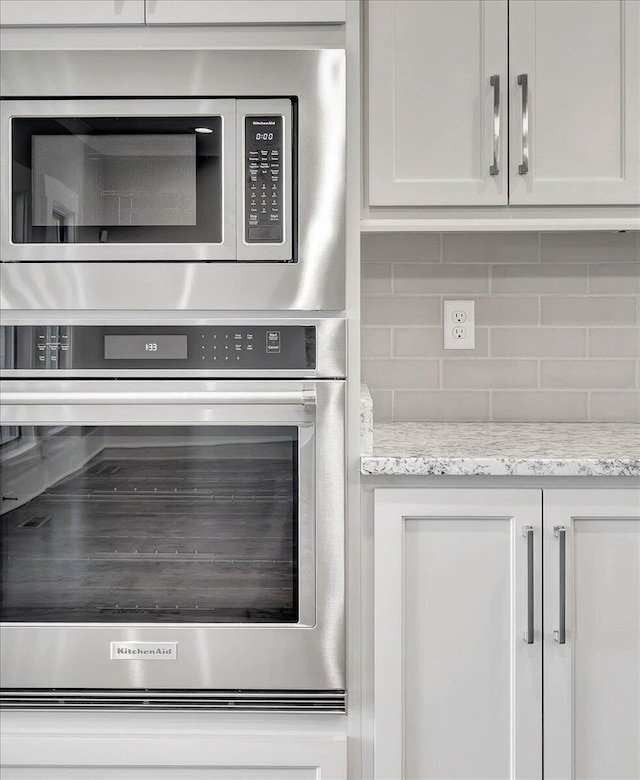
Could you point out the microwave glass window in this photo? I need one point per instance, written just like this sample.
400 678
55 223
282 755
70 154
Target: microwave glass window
193 524
129 180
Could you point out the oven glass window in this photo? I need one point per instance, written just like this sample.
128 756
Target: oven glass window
150 524
108 180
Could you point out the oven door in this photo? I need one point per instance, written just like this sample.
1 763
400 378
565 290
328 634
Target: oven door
174 521
119 180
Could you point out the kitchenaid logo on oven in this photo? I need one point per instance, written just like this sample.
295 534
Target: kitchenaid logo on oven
147 651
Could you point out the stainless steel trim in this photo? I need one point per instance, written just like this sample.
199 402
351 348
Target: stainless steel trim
236 701
560 634
523 81
494 169
83 253
266 252
316 282
294 657
527 532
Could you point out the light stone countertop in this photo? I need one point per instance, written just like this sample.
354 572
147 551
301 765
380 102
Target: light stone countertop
504 449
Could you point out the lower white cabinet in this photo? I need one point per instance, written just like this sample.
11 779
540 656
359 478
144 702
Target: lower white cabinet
144 756
460 645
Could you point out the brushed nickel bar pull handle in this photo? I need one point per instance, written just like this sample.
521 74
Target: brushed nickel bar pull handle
529 633
494 169
560 634
300 398
523 81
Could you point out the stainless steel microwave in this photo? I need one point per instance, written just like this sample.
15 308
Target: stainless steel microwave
173 180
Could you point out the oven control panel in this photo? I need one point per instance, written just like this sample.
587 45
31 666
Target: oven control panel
215 347
263 179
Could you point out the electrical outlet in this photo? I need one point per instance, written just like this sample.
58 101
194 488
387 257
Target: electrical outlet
459 324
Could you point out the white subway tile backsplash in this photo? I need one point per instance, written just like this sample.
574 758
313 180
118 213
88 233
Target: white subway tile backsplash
376 278
538 342
489 374
376 342
557 333
465 406
587 374
401 247
588 310
446 279
622 278
490 247
588 247
614 342
401 310
539 406
505 310
539 278
615 406
380 374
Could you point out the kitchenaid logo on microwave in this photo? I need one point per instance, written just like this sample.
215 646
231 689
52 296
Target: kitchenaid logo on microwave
145 651
268 122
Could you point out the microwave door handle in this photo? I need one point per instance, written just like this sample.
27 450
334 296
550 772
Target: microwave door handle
265 398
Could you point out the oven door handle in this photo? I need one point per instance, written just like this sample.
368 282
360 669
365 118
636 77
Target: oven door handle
265 398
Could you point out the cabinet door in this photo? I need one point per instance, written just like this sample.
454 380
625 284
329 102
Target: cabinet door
44 13
431 102
457 685
582 67
237 753
246 12
592 680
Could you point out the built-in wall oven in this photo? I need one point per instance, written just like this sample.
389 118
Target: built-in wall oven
173 180
172 509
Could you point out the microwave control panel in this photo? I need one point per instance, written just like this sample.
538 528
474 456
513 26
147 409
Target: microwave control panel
264 193
214 347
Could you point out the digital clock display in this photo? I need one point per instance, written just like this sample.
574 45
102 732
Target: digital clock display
145 347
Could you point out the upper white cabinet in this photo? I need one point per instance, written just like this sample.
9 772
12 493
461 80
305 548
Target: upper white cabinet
246 11
575 101
440 77
437 102
43 13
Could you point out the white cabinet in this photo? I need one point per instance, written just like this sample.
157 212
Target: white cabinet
246 12
438 129
431 102
240 755
458 688
582 103
592 680
43 13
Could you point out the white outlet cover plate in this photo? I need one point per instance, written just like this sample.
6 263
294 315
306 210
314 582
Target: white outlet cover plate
461 316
